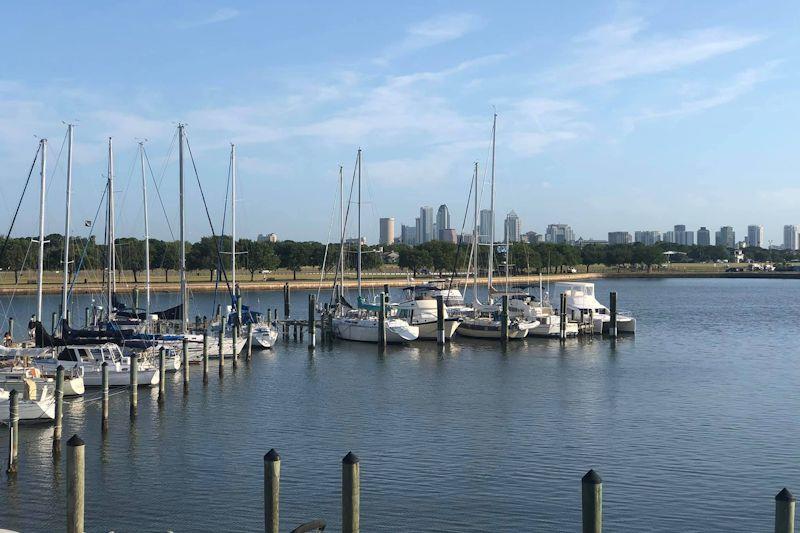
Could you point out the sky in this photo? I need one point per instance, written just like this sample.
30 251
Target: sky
611 115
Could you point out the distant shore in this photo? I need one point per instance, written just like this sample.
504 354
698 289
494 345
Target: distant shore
374 280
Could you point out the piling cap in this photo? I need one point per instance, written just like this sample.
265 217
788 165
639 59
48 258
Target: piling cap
13 393
784 496
60 368
75 441
592 477
105 364
272 456
350 459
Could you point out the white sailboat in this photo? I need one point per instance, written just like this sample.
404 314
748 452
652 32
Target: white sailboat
90 360
362 323
42 409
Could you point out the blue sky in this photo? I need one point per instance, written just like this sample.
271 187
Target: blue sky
612 116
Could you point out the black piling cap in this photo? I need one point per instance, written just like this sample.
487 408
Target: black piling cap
272 456
592 478
784 496
74 441
60 368
350 459
105 364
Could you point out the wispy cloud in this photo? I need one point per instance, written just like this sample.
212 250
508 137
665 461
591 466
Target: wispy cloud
535 124
220 15
431 32
622 49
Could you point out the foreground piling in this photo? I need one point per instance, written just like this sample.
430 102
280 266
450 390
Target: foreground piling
205 356
222 349
592 502
75 484
440 338
272 490
784 511
59 395
235 342
351 493
562 318
104 424
382 324
249 356
13 431
185 364
162 376
612 326
134 385
312 321
504 320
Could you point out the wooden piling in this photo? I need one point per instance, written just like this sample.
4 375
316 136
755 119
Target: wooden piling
382 323
286 303
440 337
86 317
612 325
205 356
11 326
784 511
185 364
562 318
53 322
221 351
162 376
272 490
592 502
59 396
134 383
504 320
13 431
104 420
249 355
351 493
76 456
235 342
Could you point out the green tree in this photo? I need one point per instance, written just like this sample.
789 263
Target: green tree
414 259
260 256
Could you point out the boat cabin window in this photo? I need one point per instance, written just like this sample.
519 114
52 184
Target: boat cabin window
67 354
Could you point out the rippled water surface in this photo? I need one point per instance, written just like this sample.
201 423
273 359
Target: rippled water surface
694 425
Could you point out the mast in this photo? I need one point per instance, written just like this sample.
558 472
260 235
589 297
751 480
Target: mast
359 223
233 219
110 230
491 217
42 193
112 219
341 232
146 240
65 286
475 237
184 310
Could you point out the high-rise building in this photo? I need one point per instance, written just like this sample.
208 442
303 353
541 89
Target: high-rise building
725 237
408 234
442 219
619 237
703 236
418 226
426 223
559 234
682 236
269 237
387 231
755 236
486 228
448 235
532 237
669 236
791 238
512 228
647 237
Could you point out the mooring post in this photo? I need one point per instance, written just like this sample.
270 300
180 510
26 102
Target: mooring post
562 322
504 320
235 343
440 338
86 317
784 511
11 326
272 491
382 324
222 350
134 385
351 493
185 364
13 429
249 355
76 457
162 376
104 423
612 326
592 502
136 299
53 322
205 356
59 409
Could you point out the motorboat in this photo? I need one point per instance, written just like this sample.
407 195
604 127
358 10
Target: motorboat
91 358
42 409
420 308
486 323
525 306
584 307
265 335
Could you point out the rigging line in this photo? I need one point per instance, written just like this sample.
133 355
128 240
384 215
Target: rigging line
55 167
14 292
158 192
128 182
19 204
346 218
79 267
228 187
208 214
460 238
327 244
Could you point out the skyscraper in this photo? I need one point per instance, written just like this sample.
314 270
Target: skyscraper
619 237
442 220
426 223
703 236
682 236
725 237
791 239
408 234
485 228
647 238
755 236
387 231
559 234
512 228
418 227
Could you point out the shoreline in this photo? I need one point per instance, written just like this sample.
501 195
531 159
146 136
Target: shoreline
275 285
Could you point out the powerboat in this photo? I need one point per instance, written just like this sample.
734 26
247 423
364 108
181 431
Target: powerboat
419 308
525 306
486 323
584 307
91 359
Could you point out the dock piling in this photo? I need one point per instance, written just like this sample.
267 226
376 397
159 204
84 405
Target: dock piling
351 493
221 350
11 326
205 356
185 364
562 318
592 502
312 321
382 323
162 376
272 490
134 384
104 424
75 484
784 511
13 431
440 338
504 320
59 395
612 326
53 322
249 355
235 343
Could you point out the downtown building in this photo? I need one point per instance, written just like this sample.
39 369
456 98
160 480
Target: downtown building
559 234
725 237
486 227
387 231
513 228
703 236
442 223
755 236
425 225
791 237
647 237
681 236
619 237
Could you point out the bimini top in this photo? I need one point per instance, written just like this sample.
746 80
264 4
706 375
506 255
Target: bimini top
575 287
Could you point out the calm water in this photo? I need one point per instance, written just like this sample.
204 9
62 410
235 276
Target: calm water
694 426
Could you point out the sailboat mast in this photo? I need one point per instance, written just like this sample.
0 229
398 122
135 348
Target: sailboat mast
184 310
359 223
42 194
146 240
111 286
341 231
65 285
233 219
491 217
475 236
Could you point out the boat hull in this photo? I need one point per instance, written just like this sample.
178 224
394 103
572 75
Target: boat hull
428 330
489 331
367 331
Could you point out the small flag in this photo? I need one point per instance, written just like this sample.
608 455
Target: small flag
87 223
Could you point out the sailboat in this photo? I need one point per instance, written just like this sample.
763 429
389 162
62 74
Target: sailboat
362 323
485 321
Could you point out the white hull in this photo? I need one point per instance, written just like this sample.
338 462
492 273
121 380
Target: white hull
145 378
488 329
553 329
428 330
366 330
30 411
265 337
